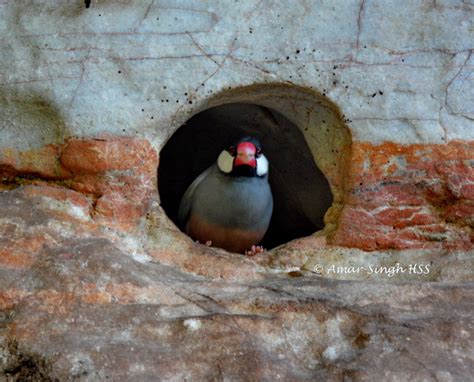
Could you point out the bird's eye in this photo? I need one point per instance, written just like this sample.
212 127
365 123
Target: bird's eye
259 151
231 150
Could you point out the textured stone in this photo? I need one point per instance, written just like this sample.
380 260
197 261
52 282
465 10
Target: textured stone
410 196
82 299
110 179
110 315
101 155
96 283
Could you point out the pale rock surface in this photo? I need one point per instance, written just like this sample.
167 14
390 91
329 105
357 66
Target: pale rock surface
68 70
96 283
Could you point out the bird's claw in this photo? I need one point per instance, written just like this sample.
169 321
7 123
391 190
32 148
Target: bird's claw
254 250
207 243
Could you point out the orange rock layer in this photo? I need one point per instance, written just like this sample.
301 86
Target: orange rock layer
409 196
398 196
110 179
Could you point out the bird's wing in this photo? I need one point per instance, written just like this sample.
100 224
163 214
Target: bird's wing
187 199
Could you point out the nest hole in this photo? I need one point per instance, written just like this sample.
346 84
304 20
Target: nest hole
301 192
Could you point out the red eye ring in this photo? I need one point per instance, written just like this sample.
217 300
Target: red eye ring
231 150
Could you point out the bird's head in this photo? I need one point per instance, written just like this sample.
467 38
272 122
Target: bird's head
243 158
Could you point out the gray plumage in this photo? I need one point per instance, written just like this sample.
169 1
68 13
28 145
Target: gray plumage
231 202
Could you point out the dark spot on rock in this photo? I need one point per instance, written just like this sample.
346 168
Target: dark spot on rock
380 92
26 366
87 3
361 340
295 273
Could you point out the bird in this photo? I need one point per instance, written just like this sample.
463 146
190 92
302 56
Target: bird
230 204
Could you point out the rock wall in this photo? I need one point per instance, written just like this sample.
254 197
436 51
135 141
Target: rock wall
97 283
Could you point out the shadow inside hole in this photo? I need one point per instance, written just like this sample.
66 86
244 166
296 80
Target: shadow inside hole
301 193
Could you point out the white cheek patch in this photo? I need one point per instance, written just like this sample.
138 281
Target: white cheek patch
225 162
262 165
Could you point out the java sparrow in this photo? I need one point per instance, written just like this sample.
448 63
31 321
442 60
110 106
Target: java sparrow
230 204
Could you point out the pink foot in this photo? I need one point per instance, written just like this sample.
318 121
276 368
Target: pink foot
256 249
207 243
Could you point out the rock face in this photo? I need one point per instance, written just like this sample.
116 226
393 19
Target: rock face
97 283
410 196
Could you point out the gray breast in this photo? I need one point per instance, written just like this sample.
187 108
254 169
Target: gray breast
234 202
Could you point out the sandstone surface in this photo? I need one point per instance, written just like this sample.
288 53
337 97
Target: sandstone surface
97 283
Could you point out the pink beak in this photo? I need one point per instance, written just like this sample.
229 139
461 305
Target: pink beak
246 155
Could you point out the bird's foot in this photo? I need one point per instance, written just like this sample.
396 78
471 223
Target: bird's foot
207 243
254 250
